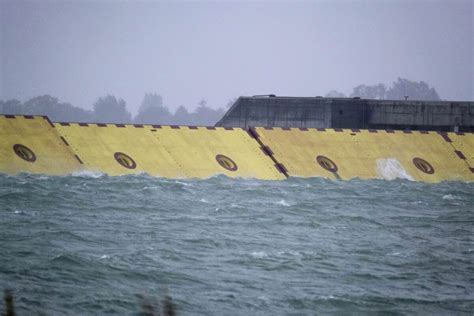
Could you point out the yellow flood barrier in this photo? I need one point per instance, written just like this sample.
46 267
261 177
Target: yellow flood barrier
118 149
205 151
463 144
32 144
366 154
167 151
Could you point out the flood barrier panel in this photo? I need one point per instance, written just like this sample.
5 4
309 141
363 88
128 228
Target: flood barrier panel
205 151
367 154
32 144
167 151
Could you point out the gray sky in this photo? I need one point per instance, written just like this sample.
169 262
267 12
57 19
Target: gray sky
186 51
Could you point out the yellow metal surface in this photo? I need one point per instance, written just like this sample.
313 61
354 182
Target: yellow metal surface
37 141
464 143
102 146
195 150
178 152
365 154
33 144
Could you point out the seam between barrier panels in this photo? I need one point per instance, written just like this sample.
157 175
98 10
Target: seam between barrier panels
267 151
458 153
156 137
63 138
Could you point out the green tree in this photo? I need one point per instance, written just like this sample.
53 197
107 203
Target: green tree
12 106
152 111
109 109
181 116
335 94
55 110
378 91
413 90
205 115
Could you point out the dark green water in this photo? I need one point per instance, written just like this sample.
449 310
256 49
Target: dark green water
90 245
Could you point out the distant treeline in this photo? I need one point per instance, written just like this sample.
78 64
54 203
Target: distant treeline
153 111
399 90
113 110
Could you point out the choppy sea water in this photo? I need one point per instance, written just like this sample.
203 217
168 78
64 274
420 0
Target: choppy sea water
90 244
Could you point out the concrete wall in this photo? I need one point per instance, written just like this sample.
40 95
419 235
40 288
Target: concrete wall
320 112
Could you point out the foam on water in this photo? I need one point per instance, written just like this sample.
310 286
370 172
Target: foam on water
89 244
88 174
391 169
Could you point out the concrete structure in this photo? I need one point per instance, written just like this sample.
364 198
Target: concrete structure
318 112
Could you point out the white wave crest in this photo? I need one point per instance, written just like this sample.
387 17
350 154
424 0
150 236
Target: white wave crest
391 169
259 254
282 202
449 197
87 174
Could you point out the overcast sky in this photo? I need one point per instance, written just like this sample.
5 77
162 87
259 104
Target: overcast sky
187 51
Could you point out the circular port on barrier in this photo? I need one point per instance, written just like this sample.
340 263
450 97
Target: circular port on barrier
423 165
226 163
125 160
24 152
326 163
